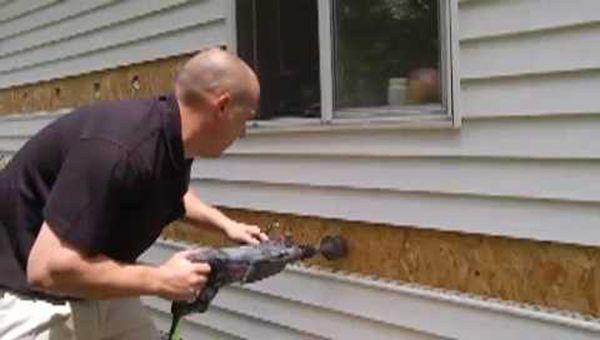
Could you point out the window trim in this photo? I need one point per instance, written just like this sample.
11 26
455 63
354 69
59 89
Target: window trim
324 7
450 116
316 125
451 44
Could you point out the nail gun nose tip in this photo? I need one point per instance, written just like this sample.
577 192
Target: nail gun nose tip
333 247
308 252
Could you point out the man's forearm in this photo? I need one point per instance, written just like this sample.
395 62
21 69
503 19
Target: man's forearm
60 268
100 277
200 213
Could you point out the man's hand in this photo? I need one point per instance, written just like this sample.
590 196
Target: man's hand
198 213
181 279
60 268
244 233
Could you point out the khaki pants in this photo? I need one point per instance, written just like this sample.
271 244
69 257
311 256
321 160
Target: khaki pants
122 319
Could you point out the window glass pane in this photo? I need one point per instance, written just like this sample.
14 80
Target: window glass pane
387 56
279 39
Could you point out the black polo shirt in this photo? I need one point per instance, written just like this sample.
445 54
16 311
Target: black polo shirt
107 178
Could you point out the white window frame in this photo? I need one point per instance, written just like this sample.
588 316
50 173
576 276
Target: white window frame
450 82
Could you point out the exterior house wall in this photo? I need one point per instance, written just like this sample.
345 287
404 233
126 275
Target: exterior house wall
41 40
522 165
528 77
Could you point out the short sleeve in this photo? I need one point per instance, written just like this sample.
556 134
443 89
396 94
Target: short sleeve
83 203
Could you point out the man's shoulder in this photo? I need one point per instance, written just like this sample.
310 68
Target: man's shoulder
119 106
125 122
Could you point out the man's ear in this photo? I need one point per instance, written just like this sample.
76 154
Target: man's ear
223 103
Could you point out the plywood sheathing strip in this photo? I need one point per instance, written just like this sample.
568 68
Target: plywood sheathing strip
133 81
547 274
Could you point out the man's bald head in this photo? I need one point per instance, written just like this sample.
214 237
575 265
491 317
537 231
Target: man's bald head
214 72
217 94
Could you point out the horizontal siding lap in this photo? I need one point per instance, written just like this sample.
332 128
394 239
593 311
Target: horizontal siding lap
565 93
528 58
47 16
310 318
86 22
256 316
168 44
543 52
155 23
549 179
482 19
19 8
24 125
10 145
231 324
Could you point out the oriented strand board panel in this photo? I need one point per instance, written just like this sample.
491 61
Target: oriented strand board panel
139 80
548 274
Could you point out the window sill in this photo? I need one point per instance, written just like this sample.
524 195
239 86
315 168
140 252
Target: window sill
310 125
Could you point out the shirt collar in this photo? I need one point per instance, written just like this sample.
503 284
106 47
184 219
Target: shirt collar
171 120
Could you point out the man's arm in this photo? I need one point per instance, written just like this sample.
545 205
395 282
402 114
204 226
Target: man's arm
57 267
199 213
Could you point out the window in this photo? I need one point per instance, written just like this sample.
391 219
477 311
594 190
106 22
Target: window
279 39
341 59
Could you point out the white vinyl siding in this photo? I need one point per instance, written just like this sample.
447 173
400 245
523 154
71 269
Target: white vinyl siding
46 17
106 35
482 19
305 303
529 57
14 9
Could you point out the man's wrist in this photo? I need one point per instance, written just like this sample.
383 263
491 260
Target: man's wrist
219 222
151 280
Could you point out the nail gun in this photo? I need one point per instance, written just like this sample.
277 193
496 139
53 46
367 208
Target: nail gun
247 264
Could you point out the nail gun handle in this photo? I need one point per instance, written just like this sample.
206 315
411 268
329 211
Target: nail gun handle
210 290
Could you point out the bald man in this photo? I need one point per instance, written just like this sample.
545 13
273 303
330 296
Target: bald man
93 190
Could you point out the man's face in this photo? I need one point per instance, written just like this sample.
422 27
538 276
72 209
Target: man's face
232 122
237 123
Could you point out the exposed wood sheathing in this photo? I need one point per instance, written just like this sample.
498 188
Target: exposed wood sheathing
554 275
138 80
